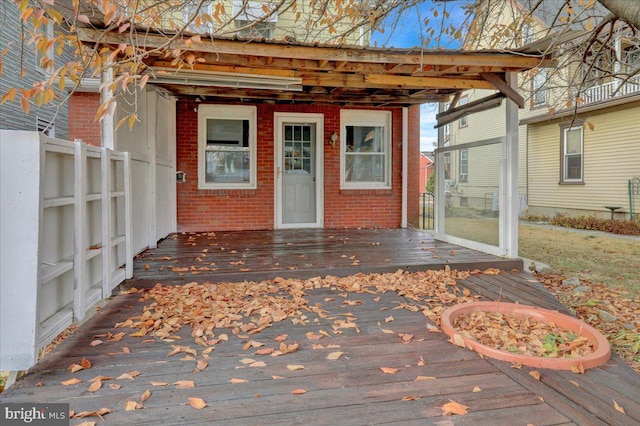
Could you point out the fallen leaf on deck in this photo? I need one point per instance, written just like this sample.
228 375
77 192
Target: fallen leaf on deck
618 407
131 406
70 382
184 384
389 370
258 364
101 412
535 374
578 368
159 383
278 377
103 378
202 364
388 319
95 386
281 337
236 381
295 367
314 336
410 398
422 362
406 338
145 395
334 355
454 408
197 403
476 389
419 378
130 375
433 329
96 342
115 386
74 368
264 351
457 340
298 392
88 423
574 383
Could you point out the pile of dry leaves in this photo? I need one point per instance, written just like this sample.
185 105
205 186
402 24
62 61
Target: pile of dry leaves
523 336
249 307
613 312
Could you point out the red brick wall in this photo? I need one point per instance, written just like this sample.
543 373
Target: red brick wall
211 210
82 110
413 187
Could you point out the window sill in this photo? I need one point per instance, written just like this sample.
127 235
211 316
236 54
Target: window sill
571 183
366 191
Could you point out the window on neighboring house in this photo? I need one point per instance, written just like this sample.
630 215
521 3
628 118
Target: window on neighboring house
227 147
447 165
464 165
366 149
464 201
527 34
44 51
463 121
254 20
46 127
572 155
539 88
200 23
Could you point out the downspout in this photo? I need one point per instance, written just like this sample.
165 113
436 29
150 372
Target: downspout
405 166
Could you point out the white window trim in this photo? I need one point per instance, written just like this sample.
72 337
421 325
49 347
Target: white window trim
48 31
565 132
539 89
463 177
227 112
464 121
366 118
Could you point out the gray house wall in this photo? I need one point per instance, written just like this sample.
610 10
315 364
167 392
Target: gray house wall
22 56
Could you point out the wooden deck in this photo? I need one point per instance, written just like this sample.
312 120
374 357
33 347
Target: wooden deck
304 253
349 390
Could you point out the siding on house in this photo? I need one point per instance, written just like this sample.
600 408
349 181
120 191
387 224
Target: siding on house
611 158
21 57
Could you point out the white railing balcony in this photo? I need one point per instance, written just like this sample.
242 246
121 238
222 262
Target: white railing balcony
610 90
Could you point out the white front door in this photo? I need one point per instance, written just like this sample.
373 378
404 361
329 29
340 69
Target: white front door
299 170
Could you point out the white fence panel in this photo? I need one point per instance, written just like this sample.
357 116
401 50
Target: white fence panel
66 237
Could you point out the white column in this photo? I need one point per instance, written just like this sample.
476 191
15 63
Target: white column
107 128
509 198
405 165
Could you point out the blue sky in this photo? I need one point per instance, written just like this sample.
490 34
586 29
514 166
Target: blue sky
408 34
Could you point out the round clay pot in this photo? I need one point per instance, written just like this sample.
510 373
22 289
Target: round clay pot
600 355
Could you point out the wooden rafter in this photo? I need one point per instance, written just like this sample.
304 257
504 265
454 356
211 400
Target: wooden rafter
350 75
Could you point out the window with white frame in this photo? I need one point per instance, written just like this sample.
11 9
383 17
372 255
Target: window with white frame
227 138
366 149
202 21
463 121
572 155
254 19
44 51
539 88
464 165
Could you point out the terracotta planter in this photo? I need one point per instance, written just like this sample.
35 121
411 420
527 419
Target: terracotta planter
600 355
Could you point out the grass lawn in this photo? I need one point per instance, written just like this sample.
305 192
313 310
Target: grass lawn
605 259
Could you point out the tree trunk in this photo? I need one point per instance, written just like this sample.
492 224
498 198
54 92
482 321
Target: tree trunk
627 10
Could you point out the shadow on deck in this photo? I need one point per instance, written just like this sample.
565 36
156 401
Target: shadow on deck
351 389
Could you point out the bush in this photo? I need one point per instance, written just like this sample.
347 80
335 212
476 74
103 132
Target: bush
593 223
